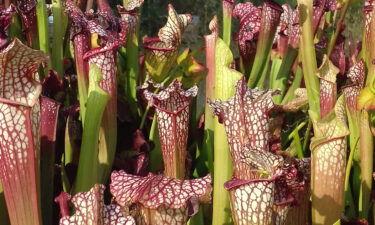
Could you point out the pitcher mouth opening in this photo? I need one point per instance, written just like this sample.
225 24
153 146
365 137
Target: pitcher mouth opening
148 43
234 183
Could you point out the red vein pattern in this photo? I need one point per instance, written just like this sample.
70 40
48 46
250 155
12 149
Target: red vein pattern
328 89
133 5
111 33
328 5
289 25
245 117
173 114
320 7
27 9
328 165
250 17
129 13
49 111
48 114
269 166
289 22
252 203
338 57
228 5
271 14
252 200
290 189
285 183
161 52
81 42
264 185
357 76
161 200
263 161
368 11
104 56
90 210
171 33
19 131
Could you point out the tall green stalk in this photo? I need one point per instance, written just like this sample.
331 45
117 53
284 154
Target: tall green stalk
328 146
225 80
338 27
227 20
156 158
283 73
289 95
132 65
366 157
308 58
351 92
364 102
353 160
209 121
88 167
15 29
42 18
270 20
58 37
130 12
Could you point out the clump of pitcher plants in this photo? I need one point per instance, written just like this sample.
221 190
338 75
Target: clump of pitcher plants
101 126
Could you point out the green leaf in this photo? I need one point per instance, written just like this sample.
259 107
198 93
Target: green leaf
58 40
307 53
290 94
227 21
328 147
42 18
88 167
192 71
284 70
330 127
271 13
156 158
225 80
209 125
161 53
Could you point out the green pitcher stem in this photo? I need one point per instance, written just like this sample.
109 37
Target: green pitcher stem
58 37
289 95
209 122
225 80
338 27
132 65
308 58
366 162
88 167
227 21
282 76
42 18
156 158
270 19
